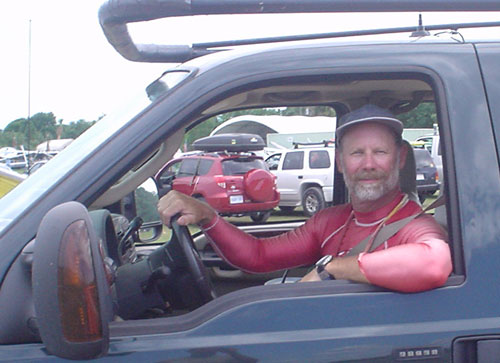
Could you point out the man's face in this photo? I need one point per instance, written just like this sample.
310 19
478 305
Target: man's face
370 161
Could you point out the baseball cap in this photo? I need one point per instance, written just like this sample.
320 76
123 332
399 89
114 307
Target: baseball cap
368 113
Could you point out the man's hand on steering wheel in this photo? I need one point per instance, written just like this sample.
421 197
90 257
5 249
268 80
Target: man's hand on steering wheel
191 211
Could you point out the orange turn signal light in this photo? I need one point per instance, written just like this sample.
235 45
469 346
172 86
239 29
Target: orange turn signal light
77 287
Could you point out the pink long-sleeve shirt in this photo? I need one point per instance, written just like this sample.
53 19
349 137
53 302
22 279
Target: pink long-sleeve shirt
417 258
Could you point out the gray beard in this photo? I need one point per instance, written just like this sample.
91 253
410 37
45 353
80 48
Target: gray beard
373 192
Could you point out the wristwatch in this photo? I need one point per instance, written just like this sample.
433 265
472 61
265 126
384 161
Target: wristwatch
320 268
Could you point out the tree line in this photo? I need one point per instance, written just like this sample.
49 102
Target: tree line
40 127
44 126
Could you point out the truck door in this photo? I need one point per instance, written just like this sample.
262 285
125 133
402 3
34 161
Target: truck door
291 175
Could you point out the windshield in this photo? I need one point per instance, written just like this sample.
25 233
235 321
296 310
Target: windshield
241 166
423 158
26 193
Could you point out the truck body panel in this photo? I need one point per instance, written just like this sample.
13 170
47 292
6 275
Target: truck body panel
327 321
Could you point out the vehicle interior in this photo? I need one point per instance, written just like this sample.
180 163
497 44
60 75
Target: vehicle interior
174 275
400 93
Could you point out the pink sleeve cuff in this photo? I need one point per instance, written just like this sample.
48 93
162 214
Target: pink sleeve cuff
208 226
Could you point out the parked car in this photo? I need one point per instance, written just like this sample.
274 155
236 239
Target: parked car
427 174
9 179
21 160
62 295
432 144
304 177
226 175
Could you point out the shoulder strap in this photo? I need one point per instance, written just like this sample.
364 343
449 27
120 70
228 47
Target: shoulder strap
390 230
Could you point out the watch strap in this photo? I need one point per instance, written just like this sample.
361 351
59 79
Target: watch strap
324 274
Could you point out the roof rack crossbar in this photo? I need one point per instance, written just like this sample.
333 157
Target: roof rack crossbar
325 143
344 34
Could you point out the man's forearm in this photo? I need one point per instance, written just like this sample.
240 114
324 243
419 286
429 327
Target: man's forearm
346 268
410 267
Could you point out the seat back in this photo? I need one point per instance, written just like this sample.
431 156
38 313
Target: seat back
408 174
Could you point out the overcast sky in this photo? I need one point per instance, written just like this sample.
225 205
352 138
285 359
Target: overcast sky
76 74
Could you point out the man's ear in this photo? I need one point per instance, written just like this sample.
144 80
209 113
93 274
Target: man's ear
337 161
403 152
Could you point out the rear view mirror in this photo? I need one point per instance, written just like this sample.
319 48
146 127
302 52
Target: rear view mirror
71 292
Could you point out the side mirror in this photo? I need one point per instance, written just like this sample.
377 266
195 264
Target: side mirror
273 166
150 232
146 200
71 290
167 178
164 183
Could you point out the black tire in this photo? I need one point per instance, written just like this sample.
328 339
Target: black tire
312 201
287 209
260 217
421 198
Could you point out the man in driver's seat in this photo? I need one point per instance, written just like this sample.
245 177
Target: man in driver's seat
370 154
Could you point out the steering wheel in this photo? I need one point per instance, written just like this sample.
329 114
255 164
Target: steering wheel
193 261
103 226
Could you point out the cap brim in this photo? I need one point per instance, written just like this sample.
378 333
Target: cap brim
392 123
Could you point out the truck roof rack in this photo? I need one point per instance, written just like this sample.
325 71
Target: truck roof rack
114 15
324 143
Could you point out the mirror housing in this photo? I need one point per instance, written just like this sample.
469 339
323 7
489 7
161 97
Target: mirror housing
164 182
150 232
71 287
146 202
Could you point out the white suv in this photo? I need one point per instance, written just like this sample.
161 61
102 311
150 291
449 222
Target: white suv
304 177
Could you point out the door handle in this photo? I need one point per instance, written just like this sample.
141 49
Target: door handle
300 177
484 349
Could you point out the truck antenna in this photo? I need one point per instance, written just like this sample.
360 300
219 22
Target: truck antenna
29 99
420 32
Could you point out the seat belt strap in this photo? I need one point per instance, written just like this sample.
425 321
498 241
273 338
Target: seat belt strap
389 230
